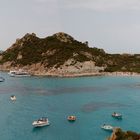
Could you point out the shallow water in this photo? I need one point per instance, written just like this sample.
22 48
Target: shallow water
91 99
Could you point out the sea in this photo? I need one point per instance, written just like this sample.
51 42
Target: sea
91 99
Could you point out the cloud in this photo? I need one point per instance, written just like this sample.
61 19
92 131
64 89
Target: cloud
104 5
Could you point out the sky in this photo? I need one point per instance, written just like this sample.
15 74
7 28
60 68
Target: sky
113 25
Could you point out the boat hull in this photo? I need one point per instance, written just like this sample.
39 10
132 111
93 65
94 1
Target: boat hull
18 75
35 124
2 79
117 116
71 118
13 98
107 127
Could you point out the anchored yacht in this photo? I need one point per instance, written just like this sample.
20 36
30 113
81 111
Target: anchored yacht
18 73
41 122
107 127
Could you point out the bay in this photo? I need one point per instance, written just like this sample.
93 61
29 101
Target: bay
91 99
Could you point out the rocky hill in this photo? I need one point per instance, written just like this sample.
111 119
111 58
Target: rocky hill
62 55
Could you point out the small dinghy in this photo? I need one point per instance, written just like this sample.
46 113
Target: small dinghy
71 118
13 97
117 115
41 122
107 127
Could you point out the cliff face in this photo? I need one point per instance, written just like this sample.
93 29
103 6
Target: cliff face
79 69
60 54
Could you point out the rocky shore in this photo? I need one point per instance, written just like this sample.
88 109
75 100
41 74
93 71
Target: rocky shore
119 134
78 70
121 74
86 68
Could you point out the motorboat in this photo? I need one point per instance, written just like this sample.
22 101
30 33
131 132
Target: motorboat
107 127
41 122
13 97
2 79
117 115
18 73
71 118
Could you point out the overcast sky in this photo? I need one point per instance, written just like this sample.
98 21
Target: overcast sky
113 25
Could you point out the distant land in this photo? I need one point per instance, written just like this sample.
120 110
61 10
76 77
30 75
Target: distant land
62 55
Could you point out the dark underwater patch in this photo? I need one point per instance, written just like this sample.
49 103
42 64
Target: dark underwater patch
93 106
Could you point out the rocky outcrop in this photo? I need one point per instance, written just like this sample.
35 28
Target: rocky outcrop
69 69
6 66
63 37
118 134
73 68
113 135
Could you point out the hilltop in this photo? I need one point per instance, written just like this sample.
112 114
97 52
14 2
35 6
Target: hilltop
62 55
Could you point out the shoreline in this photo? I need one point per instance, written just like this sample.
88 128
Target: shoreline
115 74
68 75
121 74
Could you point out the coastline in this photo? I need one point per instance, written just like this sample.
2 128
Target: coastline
121 74
69 75
91 74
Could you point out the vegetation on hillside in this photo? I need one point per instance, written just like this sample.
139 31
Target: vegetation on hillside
55 50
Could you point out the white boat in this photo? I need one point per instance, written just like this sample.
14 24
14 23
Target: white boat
18 73
107 127
2 79
13 97
117 115
41 122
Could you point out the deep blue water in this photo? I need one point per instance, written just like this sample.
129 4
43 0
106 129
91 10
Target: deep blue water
91 99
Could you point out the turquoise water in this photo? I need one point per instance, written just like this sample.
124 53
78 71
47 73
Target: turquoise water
91 99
